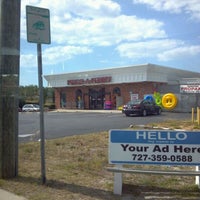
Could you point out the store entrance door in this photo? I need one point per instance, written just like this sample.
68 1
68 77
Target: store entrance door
96 98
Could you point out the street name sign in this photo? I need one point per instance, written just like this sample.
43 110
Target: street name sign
38 25
154 147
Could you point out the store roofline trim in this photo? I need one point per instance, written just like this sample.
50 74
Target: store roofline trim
128 74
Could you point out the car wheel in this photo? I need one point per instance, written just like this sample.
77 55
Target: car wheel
127 115
144 113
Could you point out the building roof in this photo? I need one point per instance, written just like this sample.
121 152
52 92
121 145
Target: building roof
128 74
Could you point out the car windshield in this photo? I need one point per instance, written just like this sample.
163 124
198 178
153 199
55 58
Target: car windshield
36 106
27 106
136 101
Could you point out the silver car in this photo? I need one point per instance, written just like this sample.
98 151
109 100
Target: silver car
30 108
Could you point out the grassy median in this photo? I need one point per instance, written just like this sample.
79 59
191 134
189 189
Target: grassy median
75 169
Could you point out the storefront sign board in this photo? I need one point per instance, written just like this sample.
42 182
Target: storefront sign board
190 88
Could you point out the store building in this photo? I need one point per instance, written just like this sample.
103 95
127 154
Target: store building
111 88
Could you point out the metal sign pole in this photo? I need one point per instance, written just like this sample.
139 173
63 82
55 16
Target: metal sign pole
38 31
42 138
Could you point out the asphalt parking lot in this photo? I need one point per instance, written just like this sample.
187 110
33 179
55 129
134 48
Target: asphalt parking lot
72 122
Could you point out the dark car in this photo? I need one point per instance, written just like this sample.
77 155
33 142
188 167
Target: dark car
141 107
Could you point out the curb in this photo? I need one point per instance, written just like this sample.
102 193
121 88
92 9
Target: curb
87 111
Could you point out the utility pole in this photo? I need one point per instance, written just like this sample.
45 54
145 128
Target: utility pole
9 85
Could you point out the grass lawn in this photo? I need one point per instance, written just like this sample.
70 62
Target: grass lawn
75 169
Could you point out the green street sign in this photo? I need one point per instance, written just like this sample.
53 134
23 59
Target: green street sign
38 25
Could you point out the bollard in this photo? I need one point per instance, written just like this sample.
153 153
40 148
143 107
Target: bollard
197 178
192 115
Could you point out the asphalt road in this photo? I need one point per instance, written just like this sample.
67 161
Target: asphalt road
61 124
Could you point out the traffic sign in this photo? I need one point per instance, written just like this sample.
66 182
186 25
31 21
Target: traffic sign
38 25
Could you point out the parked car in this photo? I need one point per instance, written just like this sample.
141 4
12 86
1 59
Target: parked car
141 107
30 108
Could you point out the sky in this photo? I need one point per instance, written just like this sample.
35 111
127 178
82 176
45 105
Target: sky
101 34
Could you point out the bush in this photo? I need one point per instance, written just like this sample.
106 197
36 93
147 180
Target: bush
50 106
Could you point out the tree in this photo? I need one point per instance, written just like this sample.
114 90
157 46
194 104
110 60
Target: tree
29 94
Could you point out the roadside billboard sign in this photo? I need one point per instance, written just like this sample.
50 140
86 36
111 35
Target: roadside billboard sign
154 147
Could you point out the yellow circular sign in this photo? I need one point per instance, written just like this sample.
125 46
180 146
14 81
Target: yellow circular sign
169 101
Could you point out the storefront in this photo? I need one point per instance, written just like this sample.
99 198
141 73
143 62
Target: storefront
111 88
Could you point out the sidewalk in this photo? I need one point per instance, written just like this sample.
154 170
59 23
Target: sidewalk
5 195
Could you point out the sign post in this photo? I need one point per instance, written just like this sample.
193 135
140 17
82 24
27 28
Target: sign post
38 31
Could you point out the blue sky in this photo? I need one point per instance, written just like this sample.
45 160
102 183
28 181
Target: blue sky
100 34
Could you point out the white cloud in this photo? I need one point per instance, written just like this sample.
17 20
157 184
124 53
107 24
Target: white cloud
78 26
106 31
76 23
163 50
28 60
58 54
190 7
82 8
73 25
62 11
146 49
179 53
53 55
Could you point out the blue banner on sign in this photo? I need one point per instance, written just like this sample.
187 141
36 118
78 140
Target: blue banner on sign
154 136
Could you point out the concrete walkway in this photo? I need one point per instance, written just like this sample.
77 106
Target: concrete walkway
5 195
